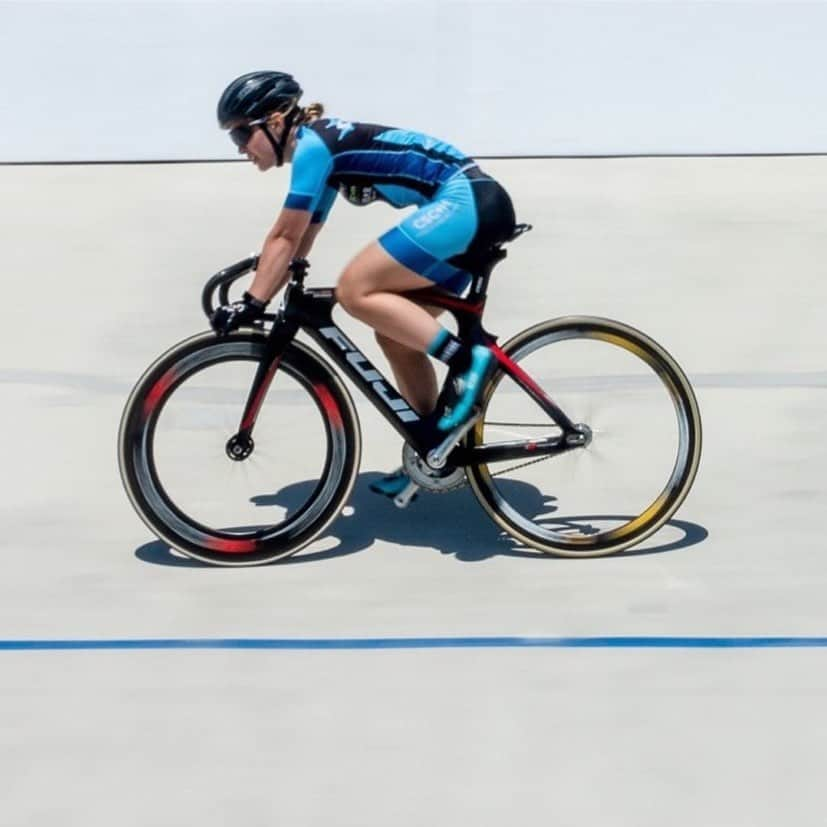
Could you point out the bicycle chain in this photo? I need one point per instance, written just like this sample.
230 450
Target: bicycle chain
464 484
521 464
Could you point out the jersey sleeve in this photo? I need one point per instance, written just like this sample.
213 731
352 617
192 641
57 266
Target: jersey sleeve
324 206
312 165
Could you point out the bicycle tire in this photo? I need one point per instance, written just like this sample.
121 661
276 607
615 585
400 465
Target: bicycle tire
233 547
639 526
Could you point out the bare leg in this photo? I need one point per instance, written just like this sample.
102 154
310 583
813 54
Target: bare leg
413 371
369 290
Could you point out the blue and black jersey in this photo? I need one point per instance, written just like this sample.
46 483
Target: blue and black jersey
367 162
460 206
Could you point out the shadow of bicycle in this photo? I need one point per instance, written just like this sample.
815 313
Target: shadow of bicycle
453 524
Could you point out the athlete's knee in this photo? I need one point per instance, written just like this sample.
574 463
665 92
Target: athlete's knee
350 291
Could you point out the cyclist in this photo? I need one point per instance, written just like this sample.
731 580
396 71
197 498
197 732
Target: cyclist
460 210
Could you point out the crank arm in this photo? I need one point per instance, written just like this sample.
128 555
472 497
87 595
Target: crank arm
406 495
437 457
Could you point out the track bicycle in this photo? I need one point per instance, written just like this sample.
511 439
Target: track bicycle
241 450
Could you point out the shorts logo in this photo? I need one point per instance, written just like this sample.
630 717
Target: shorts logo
430 217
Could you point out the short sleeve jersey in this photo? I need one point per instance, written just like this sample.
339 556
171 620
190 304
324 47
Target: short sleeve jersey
365 163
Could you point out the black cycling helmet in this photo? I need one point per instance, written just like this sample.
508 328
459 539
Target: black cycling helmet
256 94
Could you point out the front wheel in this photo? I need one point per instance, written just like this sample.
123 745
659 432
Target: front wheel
635 469
227 501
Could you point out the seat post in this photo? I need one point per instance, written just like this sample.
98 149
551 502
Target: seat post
482 273
482 264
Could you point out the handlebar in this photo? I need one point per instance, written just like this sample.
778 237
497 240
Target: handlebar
224 279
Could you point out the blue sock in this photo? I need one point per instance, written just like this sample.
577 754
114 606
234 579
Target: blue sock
447 348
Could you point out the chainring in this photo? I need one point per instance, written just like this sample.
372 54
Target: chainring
437 482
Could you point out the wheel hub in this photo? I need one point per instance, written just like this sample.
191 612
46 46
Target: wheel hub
239 447
581 438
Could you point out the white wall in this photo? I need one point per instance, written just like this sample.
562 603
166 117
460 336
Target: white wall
139 79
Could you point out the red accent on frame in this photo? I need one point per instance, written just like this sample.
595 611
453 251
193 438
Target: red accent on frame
227 546
513 368
440 299
329 404
252 414
158 391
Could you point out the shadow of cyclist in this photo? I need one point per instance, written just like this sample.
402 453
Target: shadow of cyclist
452 523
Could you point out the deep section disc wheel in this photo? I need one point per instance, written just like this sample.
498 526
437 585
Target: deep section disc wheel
639 453
215 494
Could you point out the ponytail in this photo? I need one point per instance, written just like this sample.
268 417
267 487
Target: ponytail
311 112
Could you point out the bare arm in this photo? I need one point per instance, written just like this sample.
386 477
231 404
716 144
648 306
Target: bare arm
308 238
283 242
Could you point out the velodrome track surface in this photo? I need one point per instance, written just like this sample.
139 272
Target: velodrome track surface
720 259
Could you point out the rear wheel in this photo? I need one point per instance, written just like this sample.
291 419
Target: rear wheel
235 502
642 451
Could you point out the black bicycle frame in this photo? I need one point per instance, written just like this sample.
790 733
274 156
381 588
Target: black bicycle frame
310 310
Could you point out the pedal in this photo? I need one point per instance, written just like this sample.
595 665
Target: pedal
437 457
406 495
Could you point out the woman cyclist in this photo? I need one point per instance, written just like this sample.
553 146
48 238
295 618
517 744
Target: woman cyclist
460 210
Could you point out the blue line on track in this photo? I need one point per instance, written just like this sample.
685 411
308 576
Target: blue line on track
315 644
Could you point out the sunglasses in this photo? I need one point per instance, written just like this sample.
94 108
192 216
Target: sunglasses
241 135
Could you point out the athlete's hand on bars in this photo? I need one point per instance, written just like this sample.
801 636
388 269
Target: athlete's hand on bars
230 317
